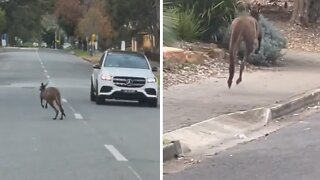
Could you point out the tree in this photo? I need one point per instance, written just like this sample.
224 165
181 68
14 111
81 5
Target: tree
68 14
25 19
95 22
2 20
305 11
135 16
313 11
47 6
298 14
48 36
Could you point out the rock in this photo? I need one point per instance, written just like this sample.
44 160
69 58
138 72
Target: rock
197 46
195 58
175 56
216 53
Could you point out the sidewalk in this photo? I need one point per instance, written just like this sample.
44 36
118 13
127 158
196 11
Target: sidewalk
185 105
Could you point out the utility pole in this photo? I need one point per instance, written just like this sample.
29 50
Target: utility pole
55 39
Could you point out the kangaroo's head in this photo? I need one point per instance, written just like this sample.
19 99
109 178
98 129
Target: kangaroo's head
43 86
254 10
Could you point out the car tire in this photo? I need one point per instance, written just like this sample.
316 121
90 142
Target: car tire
153 102
99 100
92 95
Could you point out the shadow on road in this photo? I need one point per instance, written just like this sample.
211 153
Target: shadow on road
124 103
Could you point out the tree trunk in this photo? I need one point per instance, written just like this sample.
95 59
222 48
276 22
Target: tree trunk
313 13
300 12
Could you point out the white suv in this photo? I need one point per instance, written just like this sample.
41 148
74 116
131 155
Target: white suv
124 75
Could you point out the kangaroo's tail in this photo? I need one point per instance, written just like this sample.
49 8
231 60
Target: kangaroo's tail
58 100
234 44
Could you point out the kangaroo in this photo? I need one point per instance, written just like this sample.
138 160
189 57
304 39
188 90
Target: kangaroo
50 95
248 29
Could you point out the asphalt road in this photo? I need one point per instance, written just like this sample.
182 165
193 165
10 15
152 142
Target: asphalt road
291 153
112 141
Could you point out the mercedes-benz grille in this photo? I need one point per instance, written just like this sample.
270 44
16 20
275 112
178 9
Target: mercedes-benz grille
133 82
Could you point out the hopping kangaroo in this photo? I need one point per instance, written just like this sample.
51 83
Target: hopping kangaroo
50 95
248 29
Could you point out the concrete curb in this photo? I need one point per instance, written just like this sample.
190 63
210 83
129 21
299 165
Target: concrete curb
295 103
231 128
88 60
172 150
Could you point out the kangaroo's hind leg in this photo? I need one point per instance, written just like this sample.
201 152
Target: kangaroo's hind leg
62 112
55 109
249 50
241 70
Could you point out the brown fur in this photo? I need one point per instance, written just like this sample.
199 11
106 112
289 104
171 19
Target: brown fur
51 95
247 29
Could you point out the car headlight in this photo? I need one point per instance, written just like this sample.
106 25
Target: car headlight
151 80
106 77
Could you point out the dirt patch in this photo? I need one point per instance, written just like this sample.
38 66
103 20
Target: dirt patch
298 37
215 63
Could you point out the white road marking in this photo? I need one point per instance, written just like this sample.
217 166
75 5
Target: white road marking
41 62
78 116
28 48
135 173
115 153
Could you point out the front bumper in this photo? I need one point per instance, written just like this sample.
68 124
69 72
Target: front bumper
109 90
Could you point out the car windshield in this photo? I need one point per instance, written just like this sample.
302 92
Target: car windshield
122 60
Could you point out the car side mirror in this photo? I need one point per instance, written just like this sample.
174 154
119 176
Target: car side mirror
96 66
154 69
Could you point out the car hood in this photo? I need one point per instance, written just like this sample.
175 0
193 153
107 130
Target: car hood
128 72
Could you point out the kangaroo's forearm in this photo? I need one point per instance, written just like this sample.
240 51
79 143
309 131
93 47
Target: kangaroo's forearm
41 100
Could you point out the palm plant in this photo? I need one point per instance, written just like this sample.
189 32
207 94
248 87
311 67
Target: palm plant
170 22
214 15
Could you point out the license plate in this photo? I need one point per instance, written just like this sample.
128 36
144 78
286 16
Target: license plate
128 91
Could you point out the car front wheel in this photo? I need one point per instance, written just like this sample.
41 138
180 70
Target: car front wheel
92 96
153 102
99 100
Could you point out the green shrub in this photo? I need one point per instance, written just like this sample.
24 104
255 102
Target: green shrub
213 14
170 22
182 25
189 26
271 45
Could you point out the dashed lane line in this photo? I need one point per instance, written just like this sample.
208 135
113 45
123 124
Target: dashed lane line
115 153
